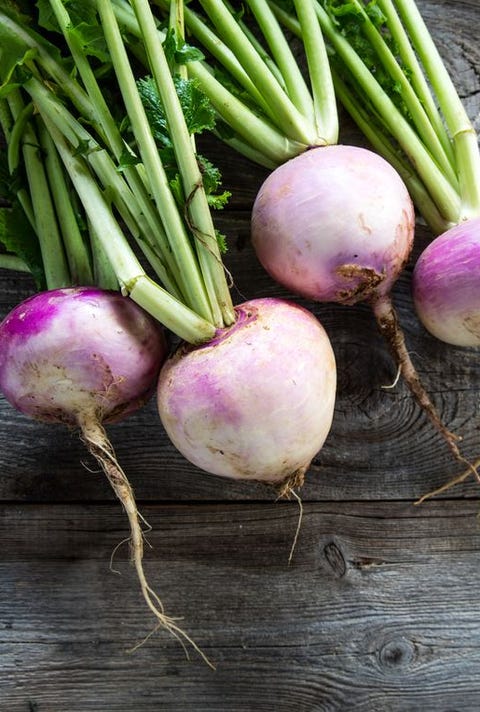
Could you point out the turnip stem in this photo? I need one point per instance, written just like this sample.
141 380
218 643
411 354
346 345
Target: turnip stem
326 115
293 123
419 117
53 256
200 218
260 136
166 206
69 86
225 56
9 129
119 192
107 127
443 152
77 254
445 196
291 76
463 135
130 274
12 262
416 75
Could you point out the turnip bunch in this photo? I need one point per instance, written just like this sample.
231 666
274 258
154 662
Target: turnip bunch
125 202
333 223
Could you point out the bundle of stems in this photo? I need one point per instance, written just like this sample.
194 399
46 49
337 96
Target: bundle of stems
90 192
377 58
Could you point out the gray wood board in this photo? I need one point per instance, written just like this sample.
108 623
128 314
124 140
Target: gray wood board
377 611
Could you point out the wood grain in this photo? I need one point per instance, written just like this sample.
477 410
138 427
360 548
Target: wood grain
360 620
379 609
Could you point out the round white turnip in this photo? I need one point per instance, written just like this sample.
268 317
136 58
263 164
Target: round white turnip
256 402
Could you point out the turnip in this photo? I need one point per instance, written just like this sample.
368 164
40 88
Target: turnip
446 285
257 401
84 357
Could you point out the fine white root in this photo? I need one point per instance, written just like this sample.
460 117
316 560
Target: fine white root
285 491
472 469
98 444
395 380
299 524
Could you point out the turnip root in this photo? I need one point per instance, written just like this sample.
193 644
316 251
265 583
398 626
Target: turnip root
257 401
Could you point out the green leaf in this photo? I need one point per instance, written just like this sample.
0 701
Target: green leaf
84 26
177 51
19 238
14 54
197 108
222 241
212 181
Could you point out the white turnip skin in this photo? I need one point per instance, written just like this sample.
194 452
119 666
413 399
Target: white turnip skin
74 354
84 357
257 402
446 285
336 224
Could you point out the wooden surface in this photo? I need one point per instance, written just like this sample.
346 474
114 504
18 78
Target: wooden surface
379 609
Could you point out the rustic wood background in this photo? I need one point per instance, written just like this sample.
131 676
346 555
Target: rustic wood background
379 609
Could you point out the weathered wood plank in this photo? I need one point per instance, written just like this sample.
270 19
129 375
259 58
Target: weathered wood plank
378 610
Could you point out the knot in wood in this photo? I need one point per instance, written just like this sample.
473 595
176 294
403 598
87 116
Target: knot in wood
397 654
336 559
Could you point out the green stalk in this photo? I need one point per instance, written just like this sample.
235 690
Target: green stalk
166 206
200 219
154 239
265 139
13 136
290 120
463 134
53 256
12 262
60 76
364 83
218 49
77 254
104 274
443 153
292 77
419 116
131 276
326 114
416 75
101 163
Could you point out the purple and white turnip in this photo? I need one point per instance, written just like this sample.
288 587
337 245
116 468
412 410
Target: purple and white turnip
257 401
345 240
84 357
446 285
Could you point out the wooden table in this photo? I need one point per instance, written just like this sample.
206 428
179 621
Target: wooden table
379 609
